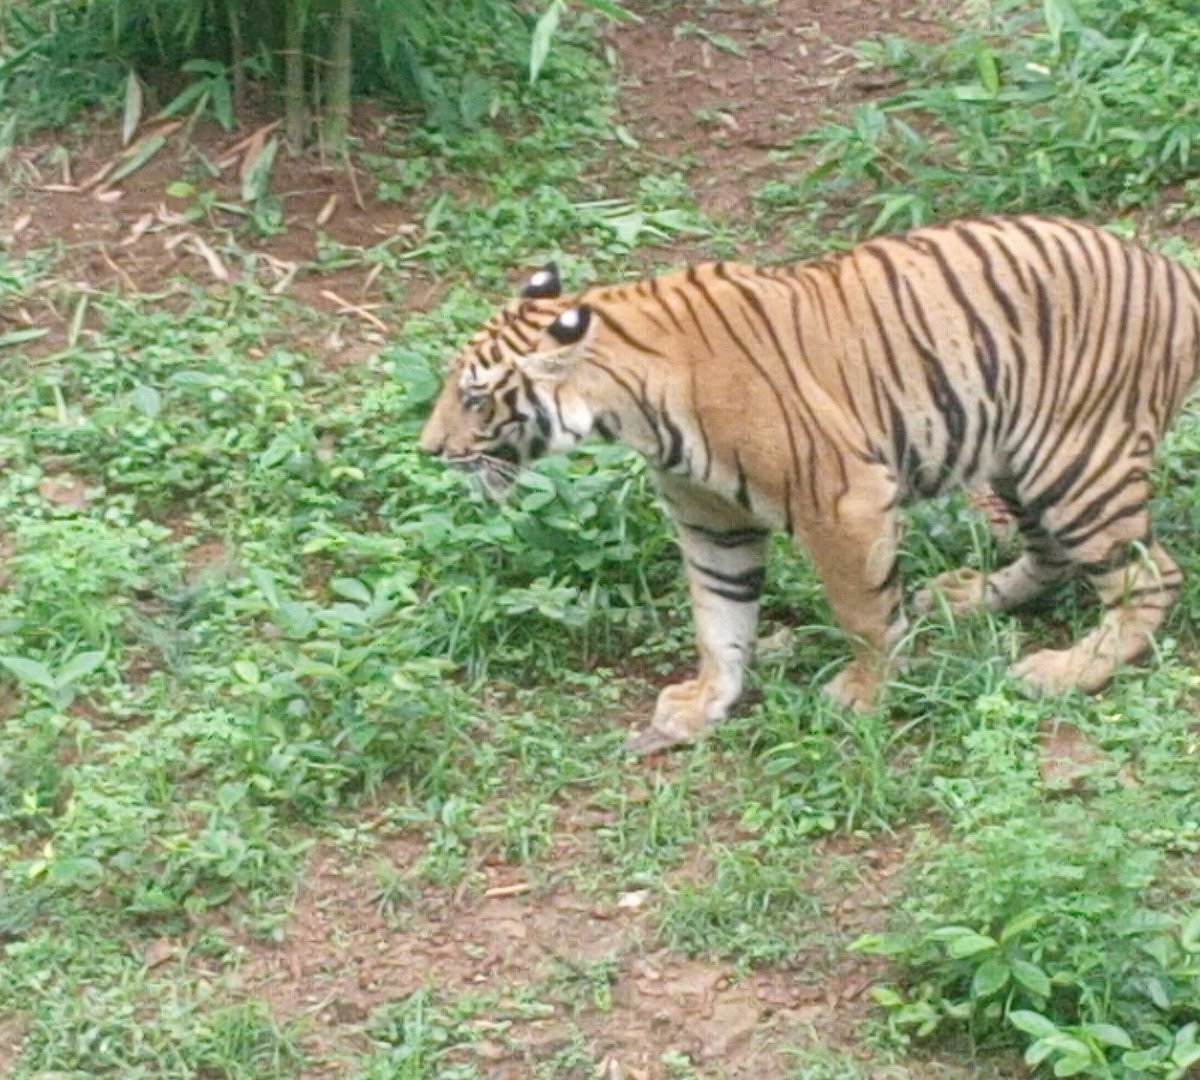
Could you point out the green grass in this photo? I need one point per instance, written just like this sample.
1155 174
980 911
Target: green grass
368 652
1084 107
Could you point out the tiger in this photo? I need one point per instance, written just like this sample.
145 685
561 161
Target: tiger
1039 358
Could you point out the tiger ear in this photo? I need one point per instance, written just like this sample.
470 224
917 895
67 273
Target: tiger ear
571 325
545 284
570 328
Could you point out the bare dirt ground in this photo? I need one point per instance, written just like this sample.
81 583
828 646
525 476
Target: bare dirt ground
718 93
715 101
347 953
135 234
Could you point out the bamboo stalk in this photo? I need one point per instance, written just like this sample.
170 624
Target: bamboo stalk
295 105
341 73
237 50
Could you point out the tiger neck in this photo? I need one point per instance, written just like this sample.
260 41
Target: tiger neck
619 401
631 370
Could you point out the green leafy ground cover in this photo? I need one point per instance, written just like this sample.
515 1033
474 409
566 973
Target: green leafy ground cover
245 622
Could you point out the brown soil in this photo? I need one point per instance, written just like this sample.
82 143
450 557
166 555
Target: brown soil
345 953
134 235
12 1032
760 76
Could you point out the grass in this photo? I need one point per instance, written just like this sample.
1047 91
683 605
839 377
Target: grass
1083 108
263 624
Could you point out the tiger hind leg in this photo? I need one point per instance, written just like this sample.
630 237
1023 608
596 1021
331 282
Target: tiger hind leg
1136 594
1108 537
965 590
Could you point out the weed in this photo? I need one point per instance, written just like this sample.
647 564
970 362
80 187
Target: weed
421 1040
1029 107
749 907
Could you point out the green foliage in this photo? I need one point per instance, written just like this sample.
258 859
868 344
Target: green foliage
419 1040
1030 106
1063 927
454 64
735 908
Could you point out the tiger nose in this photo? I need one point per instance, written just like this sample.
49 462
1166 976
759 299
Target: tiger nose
432 441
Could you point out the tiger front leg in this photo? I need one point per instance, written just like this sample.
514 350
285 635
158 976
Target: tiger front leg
856 560
725 560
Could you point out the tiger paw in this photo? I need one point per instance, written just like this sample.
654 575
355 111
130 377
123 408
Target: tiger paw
963 590
856 686
650 741
682 714
1056 671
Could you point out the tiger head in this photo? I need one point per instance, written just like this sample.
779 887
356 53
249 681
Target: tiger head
505 401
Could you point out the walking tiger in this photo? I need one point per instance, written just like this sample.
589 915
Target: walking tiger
1040 357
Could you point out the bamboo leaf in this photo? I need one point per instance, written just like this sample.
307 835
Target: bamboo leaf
256 170
1059 16
80 666
612 10
30 672
216 267
222 103
76 327
184 98
144 153
543 33
1032 1023
10 62
19 337
134 100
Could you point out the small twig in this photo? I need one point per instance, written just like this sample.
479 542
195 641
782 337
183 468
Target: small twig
508 890
358 198
372 274
345 307
98 176
126 280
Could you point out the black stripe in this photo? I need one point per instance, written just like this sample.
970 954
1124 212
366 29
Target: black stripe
720 271
687 303
643 408
743 492
727 538
674 453
602 426
891 579
942 394
619 331
730 594
541 416
655 287
558 410
751 580
999 294
986 351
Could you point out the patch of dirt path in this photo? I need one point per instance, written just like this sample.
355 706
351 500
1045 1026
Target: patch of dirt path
12 1034
176 220
593 970
715 89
